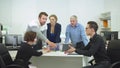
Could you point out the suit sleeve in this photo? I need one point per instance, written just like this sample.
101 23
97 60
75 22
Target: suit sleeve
93 49
37 30
67 34
58 33
35 53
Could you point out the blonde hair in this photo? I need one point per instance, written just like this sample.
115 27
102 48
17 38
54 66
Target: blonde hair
53 15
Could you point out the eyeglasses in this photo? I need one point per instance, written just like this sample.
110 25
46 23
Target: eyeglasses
87 28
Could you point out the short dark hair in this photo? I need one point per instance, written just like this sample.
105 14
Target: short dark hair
42 13
29 36
93 24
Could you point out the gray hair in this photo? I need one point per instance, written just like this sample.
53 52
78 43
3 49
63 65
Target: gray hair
74 16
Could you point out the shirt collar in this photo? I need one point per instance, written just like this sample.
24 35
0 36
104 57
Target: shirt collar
38 23
75 25
93 37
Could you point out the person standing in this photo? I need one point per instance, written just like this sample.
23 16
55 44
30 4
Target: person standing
75 32
40 28
54 29
95 48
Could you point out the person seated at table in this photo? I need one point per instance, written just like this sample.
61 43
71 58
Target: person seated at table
26 50
95 48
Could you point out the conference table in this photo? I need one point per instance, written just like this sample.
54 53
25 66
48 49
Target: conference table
55 59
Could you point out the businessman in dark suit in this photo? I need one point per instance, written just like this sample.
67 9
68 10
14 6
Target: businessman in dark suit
95 48
26 50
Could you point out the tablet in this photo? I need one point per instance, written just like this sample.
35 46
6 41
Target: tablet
65 47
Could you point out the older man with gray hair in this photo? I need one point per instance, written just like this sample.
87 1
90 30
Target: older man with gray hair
75 32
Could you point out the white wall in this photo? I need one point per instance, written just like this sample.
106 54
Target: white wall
86 9
113 7
20 12
58 7
23 11
6 12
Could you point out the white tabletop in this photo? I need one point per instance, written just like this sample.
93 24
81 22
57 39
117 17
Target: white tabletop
61 54
52 53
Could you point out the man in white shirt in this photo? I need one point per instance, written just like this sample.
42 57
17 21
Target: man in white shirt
40 28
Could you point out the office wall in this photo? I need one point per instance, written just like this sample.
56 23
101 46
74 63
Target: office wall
113 7
18 13
6 12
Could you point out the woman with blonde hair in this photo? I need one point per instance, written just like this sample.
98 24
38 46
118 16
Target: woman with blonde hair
54 29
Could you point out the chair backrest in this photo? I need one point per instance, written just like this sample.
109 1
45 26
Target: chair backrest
2 64
113 50
5 55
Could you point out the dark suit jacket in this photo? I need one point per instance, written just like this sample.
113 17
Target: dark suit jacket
25 52
57 32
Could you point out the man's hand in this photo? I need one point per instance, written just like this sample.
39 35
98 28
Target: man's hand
51 44
72 49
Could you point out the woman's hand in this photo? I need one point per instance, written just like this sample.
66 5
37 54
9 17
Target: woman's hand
45 50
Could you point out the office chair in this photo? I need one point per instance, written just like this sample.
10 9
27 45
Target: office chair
113 51
6 60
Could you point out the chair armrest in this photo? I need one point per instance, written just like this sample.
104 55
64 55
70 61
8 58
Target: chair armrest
14 66
91 61
19 62
115 65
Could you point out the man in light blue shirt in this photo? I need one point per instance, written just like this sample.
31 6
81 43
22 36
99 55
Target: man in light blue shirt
75 32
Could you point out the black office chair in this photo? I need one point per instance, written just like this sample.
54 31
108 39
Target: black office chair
6 60
113 51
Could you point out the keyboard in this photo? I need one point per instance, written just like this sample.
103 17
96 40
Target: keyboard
12 48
